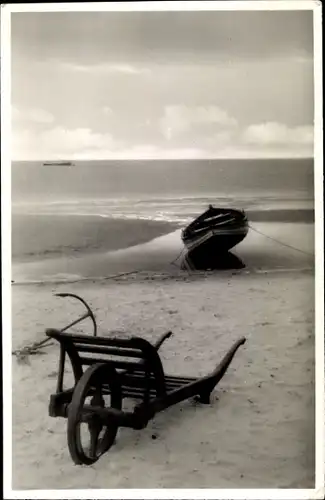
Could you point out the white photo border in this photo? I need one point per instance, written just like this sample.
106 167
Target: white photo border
245 5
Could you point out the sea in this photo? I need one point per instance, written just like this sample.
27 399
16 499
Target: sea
103 206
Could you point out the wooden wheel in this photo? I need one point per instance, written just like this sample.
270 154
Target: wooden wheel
89 436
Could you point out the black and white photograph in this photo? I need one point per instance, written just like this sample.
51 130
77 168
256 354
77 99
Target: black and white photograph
163 175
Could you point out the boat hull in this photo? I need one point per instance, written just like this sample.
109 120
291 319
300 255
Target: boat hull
217 240
216 230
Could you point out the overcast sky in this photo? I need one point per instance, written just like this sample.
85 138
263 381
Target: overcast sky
178 84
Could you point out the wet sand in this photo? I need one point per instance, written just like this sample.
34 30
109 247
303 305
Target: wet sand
268 246
39 237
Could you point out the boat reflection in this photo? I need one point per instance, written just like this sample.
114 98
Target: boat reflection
201 260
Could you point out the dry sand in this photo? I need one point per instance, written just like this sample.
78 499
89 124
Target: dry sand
258 431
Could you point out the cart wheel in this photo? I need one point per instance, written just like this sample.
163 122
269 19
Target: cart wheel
99 435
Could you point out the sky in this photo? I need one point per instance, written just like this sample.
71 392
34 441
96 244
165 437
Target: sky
133 85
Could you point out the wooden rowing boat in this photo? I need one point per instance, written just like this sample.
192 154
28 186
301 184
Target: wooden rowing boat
217 230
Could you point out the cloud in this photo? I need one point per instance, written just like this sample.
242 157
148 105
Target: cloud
106 68
71 140
15 113
145 152
274 133
60 142
180 119
259 140
107 110
126 68
83 144
35 115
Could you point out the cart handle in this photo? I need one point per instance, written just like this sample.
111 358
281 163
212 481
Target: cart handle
162 339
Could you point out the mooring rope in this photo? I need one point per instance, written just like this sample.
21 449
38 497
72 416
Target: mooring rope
280 242
35 347
32 348
173 262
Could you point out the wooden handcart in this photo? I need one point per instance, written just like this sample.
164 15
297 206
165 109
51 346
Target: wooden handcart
106 370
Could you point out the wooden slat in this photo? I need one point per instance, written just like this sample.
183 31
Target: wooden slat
116 363
121 351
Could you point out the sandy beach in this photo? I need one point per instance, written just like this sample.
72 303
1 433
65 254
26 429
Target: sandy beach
258 431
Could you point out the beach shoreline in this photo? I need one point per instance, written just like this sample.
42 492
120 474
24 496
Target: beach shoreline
269 245
258 430
46 236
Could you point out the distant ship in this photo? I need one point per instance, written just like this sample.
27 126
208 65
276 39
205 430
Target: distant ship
60 163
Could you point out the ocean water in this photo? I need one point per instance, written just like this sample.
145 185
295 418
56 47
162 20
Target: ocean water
160 190
105 205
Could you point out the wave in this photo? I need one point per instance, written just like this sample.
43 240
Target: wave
157 217
180 210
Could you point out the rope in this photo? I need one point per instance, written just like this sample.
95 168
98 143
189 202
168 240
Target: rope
31 349
173 262
280 242
46 342
34 348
